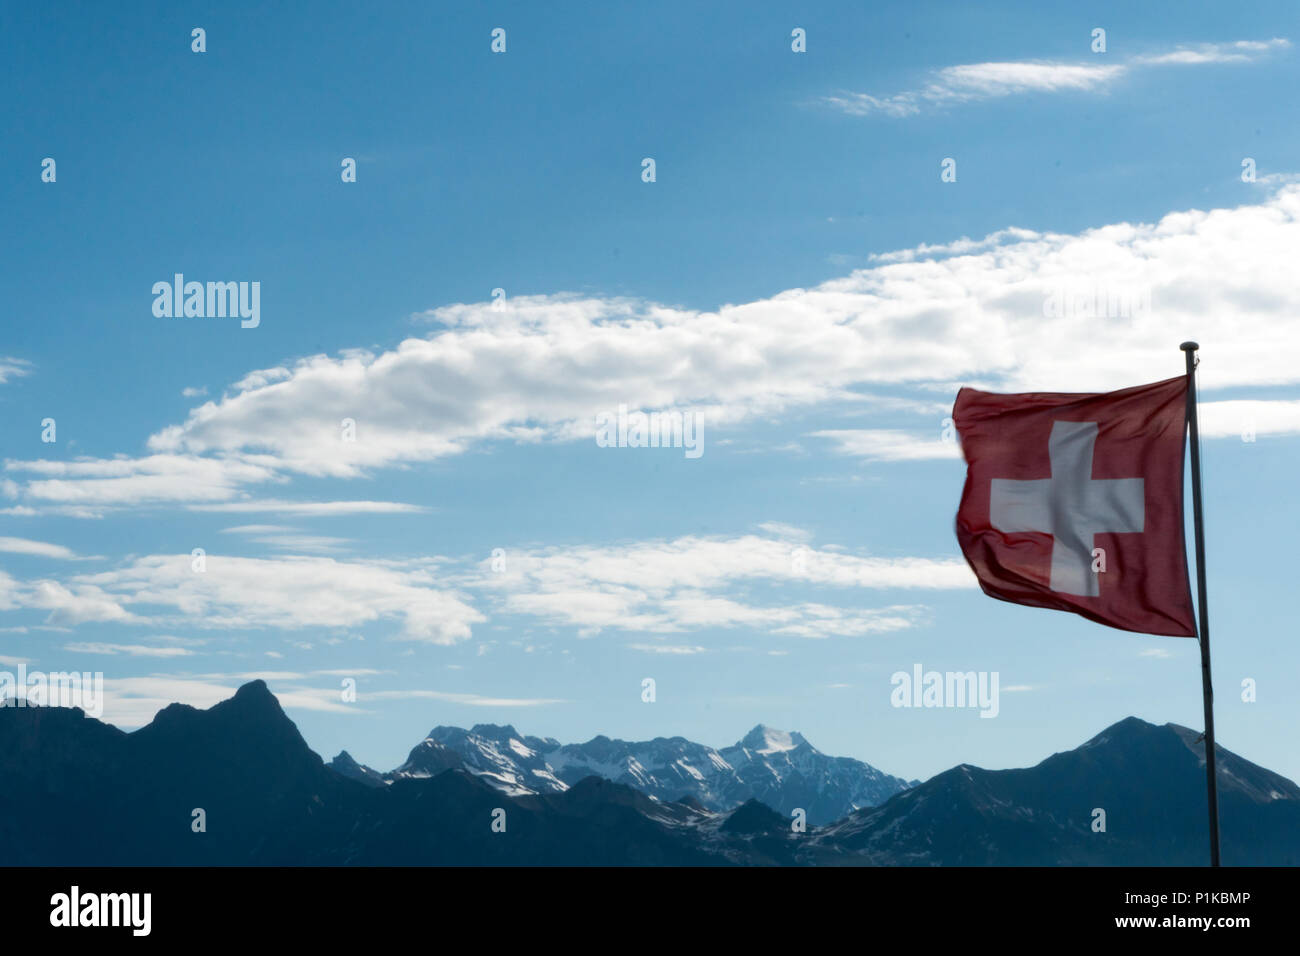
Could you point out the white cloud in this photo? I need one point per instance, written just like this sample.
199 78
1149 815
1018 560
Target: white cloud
962 246
37 548
13 368
785 532
1270 181
983 81
978 81
132 650
674 649
239 593
86 487
1002 79
1243 51
289 539
155 479
877 444
692 583
1242 417
921 321
75 603
972 311
313 508
236 593
472 700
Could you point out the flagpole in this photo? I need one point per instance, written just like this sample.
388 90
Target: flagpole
1203 623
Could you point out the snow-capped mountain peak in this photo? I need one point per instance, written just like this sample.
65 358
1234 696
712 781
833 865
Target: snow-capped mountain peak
768 740
778 767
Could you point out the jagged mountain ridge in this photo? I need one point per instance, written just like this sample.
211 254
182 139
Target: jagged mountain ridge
82 793
783 770
1149 780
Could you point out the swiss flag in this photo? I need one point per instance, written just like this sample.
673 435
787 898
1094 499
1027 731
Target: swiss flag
1054 476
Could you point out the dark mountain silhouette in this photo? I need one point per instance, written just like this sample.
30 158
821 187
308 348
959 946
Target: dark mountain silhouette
754 817
348 767
1149 780
80 792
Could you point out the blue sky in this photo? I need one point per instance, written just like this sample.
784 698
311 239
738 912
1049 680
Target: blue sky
797 275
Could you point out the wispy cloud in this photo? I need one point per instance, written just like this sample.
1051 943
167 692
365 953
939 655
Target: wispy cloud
970 82
89 487
692 583
1242 51
878 444
313 508
131 650
958 247
13 368
980 81
72 603
289 539
471 700
674 649
240 593
36 548
155 479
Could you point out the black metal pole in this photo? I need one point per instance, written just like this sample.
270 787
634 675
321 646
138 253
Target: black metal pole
1203 622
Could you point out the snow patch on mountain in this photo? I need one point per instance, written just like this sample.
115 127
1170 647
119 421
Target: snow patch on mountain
780 768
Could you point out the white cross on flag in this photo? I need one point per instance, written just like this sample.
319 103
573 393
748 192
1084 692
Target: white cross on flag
1074 501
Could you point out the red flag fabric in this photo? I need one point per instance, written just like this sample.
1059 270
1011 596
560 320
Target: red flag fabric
1074 501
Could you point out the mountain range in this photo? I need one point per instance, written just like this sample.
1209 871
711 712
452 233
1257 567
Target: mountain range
777 768
79 792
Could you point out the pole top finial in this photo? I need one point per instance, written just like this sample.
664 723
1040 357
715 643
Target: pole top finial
1189 346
